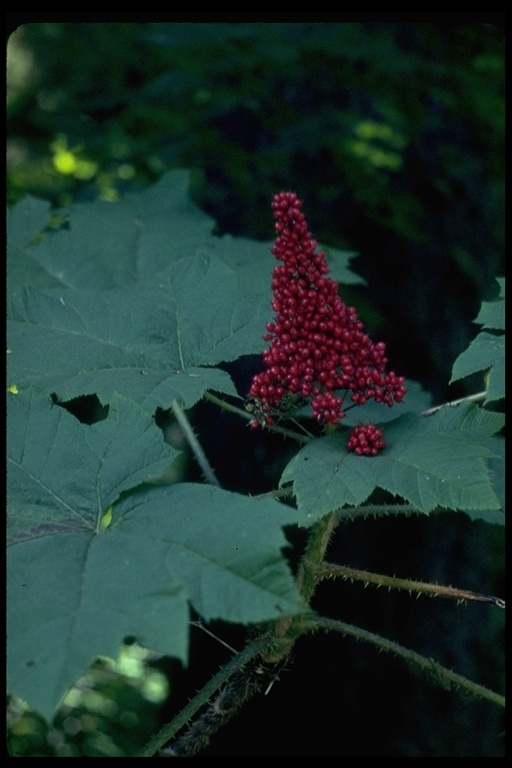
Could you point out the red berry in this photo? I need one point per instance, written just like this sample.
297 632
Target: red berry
317 344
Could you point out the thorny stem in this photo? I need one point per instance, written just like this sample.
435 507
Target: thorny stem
350 513
248 417
201 698
440 675
194 443
275 646
468 399
479 396
288 627
326 570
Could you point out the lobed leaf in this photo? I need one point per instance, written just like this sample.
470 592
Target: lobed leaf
151 344
106 245
487 350
77 587
430 462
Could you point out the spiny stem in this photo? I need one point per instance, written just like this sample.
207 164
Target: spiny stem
285 628
280 493
320 535
227 406
440 675
248 417
350 513
376 510
326 570
468 399
194 443
236 663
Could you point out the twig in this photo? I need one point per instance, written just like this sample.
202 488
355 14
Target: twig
438 674
204 695
391 582
249 417
469 399
194 443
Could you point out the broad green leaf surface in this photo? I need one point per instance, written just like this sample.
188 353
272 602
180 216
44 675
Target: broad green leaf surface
325 476
76 588
149 343
430 462
492 315
136 297
496 465
63 475
487 351
25 221
254 263
107 244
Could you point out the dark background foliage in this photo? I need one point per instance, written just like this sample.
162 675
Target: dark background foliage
392 134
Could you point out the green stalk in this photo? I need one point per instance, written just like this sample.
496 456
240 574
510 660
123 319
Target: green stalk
288 628
202 697
326 570
249 417
197 450
438 674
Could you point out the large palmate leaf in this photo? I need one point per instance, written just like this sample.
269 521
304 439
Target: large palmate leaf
137 297
151 344
105 245
96 555
254 263
487 351
138 239
431 462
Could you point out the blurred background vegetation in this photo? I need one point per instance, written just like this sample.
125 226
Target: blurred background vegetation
393 135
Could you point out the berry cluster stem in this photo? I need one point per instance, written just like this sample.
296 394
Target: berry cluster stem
288 628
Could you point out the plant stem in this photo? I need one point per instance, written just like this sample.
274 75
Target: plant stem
439 675
195 446
376 510
288 628
325 570
307 577
248 417
236 663
468 399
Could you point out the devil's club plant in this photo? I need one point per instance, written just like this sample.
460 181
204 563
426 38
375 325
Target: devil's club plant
138 305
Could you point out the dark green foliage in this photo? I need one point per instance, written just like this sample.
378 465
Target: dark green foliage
393 134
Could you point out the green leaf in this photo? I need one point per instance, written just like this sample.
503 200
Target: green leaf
57 466
430 462
77 588
496 465
326 476
106 245
25 221
149 343
487 350
492 315
439 460
254 263
339 266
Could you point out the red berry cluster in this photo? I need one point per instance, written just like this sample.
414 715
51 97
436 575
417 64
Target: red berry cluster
366 440
317 343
